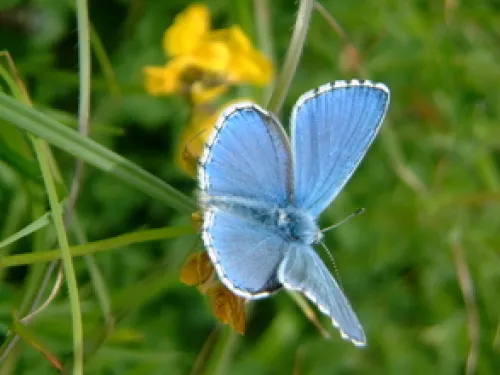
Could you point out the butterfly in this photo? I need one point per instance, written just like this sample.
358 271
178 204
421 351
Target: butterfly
262 195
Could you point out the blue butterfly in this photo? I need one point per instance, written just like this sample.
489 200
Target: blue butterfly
262 201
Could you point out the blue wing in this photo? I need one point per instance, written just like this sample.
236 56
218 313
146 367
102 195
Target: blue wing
245 254
247 156
302 270
332 128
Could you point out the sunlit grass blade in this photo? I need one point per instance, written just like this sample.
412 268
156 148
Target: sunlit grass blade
27 230
91 152
98 246
67 260
69 119
293 55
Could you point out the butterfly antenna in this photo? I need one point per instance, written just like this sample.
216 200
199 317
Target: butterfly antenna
354 214
335 268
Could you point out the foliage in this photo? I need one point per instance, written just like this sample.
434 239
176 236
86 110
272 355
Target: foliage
420 266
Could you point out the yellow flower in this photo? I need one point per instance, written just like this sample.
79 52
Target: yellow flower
193 139
162 79
187 31
245 63
203 62
227 307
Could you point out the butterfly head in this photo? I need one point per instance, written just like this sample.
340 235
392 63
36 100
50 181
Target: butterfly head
297 225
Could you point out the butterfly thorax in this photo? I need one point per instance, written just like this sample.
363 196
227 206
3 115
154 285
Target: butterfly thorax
298 225
293 224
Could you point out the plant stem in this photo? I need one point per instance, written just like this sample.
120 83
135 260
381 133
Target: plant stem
292 56
69 272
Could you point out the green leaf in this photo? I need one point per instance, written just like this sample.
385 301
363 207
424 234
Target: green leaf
69 140
27 230
98 246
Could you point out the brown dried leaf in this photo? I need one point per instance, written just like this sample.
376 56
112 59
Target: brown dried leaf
227 307
197 269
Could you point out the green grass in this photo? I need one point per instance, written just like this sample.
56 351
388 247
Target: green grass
421 266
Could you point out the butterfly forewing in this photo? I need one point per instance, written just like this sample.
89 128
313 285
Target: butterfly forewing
332 128
247 156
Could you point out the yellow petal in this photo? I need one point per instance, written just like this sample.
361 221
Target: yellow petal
157 81
212 57
194 137
253 68
163 80
227 307
246 64
197 269
200 93
187 31
238 40
203 72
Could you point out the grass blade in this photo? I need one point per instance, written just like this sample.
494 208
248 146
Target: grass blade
27 230
69 272
98 246
69 140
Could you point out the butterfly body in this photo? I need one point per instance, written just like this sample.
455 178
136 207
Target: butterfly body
262 195
297 225
291 223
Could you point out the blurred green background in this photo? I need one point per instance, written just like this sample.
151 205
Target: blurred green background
421 266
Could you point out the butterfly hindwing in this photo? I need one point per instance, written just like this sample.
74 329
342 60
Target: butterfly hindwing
302 270
332 128
246 255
